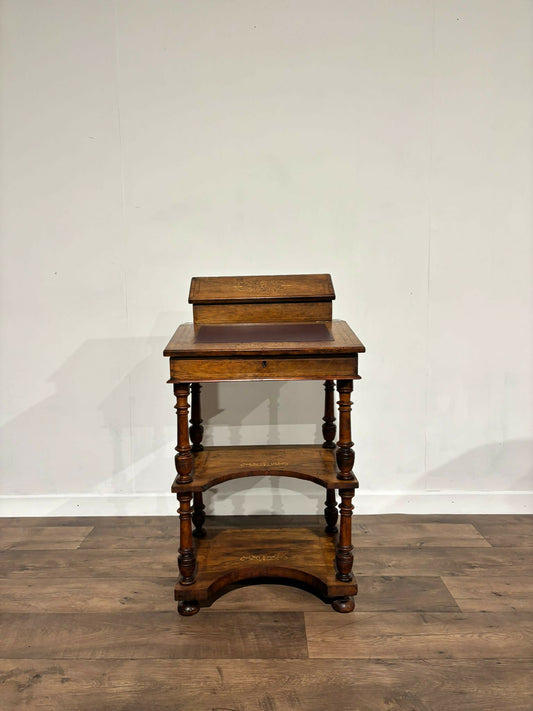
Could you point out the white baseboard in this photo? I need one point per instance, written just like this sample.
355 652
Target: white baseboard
267 501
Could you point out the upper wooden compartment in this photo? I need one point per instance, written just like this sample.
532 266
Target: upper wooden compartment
261 289
262 299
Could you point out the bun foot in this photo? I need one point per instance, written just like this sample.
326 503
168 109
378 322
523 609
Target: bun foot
343 604
186 608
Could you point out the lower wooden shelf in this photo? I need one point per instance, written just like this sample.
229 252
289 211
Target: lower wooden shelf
311 462
228 557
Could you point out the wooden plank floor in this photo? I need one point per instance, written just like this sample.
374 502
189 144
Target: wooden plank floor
442 621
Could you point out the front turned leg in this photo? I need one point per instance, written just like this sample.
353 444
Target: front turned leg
330 512
343 554
198 515
196 430
328 428
345 453
186 557
183 459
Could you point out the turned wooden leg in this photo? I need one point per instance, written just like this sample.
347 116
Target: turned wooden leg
330 512
343 554
198 515
328 428
183 458
187 557
345 453
196 430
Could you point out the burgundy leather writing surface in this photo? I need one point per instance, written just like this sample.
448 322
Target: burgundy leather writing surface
263 333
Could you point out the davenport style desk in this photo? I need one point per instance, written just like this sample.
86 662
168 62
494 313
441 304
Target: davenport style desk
264 328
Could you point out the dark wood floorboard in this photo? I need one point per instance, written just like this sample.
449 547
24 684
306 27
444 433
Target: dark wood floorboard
488 594
442 621
89 563
266 685
450 561
153 635
136 536
421 635
384 593
42 537
26 593
378 534
498 532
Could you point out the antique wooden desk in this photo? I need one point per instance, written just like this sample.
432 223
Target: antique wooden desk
264 328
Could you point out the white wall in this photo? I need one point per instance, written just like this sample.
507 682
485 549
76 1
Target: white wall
388 143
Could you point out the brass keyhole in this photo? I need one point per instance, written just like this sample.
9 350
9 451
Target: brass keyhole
264 364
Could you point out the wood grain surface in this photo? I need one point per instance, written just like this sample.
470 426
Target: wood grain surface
184 344
304 555
266 685
311 462
42 537
263 289
301 311
442 621
206 370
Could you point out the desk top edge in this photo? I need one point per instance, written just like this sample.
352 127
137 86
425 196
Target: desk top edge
183 344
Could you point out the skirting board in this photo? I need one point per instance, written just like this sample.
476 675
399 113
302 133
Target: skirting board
366 502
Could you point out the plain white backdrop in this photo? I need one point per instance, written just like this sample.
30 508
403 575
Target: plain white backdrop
148 141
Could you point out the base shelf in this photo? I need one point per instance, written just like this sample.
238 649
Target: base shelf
229 557
215 465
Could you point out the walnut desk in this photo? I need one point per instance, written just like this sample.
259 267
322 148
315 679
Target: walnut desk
264 328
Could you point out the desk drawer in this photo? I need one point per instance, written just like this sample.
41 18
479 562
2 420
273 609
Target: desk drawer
188 370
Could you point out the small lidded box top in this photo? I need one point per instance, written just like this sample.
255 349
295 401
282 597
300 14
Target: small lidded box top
262 289
262 299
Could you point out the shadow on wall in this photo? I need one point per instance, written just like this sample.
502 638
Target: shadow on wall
500 466
110 428
503 471
505 466
80 436
233 411
243 402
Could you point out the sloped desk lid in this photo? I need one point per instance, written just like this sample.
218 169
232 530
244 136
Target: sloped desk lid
261 289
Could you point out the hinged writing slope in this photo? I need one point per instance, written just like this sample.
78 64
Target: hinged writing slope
261 299
245 289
